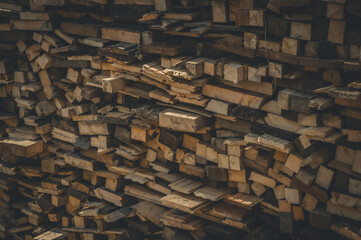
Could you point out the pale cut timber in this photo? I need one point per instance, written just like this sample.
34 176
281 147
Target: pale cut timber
282 123
210 66
234 72
223 161
94 42
182 202
279 177
284 98
150 211
237 175
186 186
309 202
219 10
272 107
251 40
190 142
269 45
212 193
109 196
294 162
253 74
113 84
352 135
228 94
67 38
52 234
293 196
354 186
291 46
279 191
275 142
22 148
80 162
256 18
181 121
217 106
297 212
343 211
258 189
261 179
44 61
324 177
311 120
196 66
276 70
93 128
347 230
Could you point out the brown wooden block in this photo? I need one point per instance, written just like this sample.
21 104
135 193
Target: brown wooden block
336 31
291 46
301 30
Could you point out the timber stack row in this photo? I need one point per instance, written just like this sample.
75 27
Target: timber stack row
189 119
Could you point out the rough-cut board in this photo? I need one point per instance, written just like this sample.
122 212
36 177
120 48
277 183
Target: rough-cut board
282 123
230 211
110 196
219 11
181 121
183 202
21 148
185 185
243 200
80 162
143 192
93 128
150 211
347 230
232 95
178 219
212 193
275 142
261 179
117 214
121 35
343 211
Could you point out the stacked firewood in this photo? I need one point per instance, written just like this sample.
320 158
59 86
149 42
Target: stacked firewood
188 119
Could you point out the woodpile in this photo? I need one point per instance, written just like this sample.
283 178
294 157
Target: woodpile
187 119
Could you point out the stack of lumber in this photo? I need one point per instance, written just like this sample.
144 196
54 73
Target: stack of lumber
189 119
